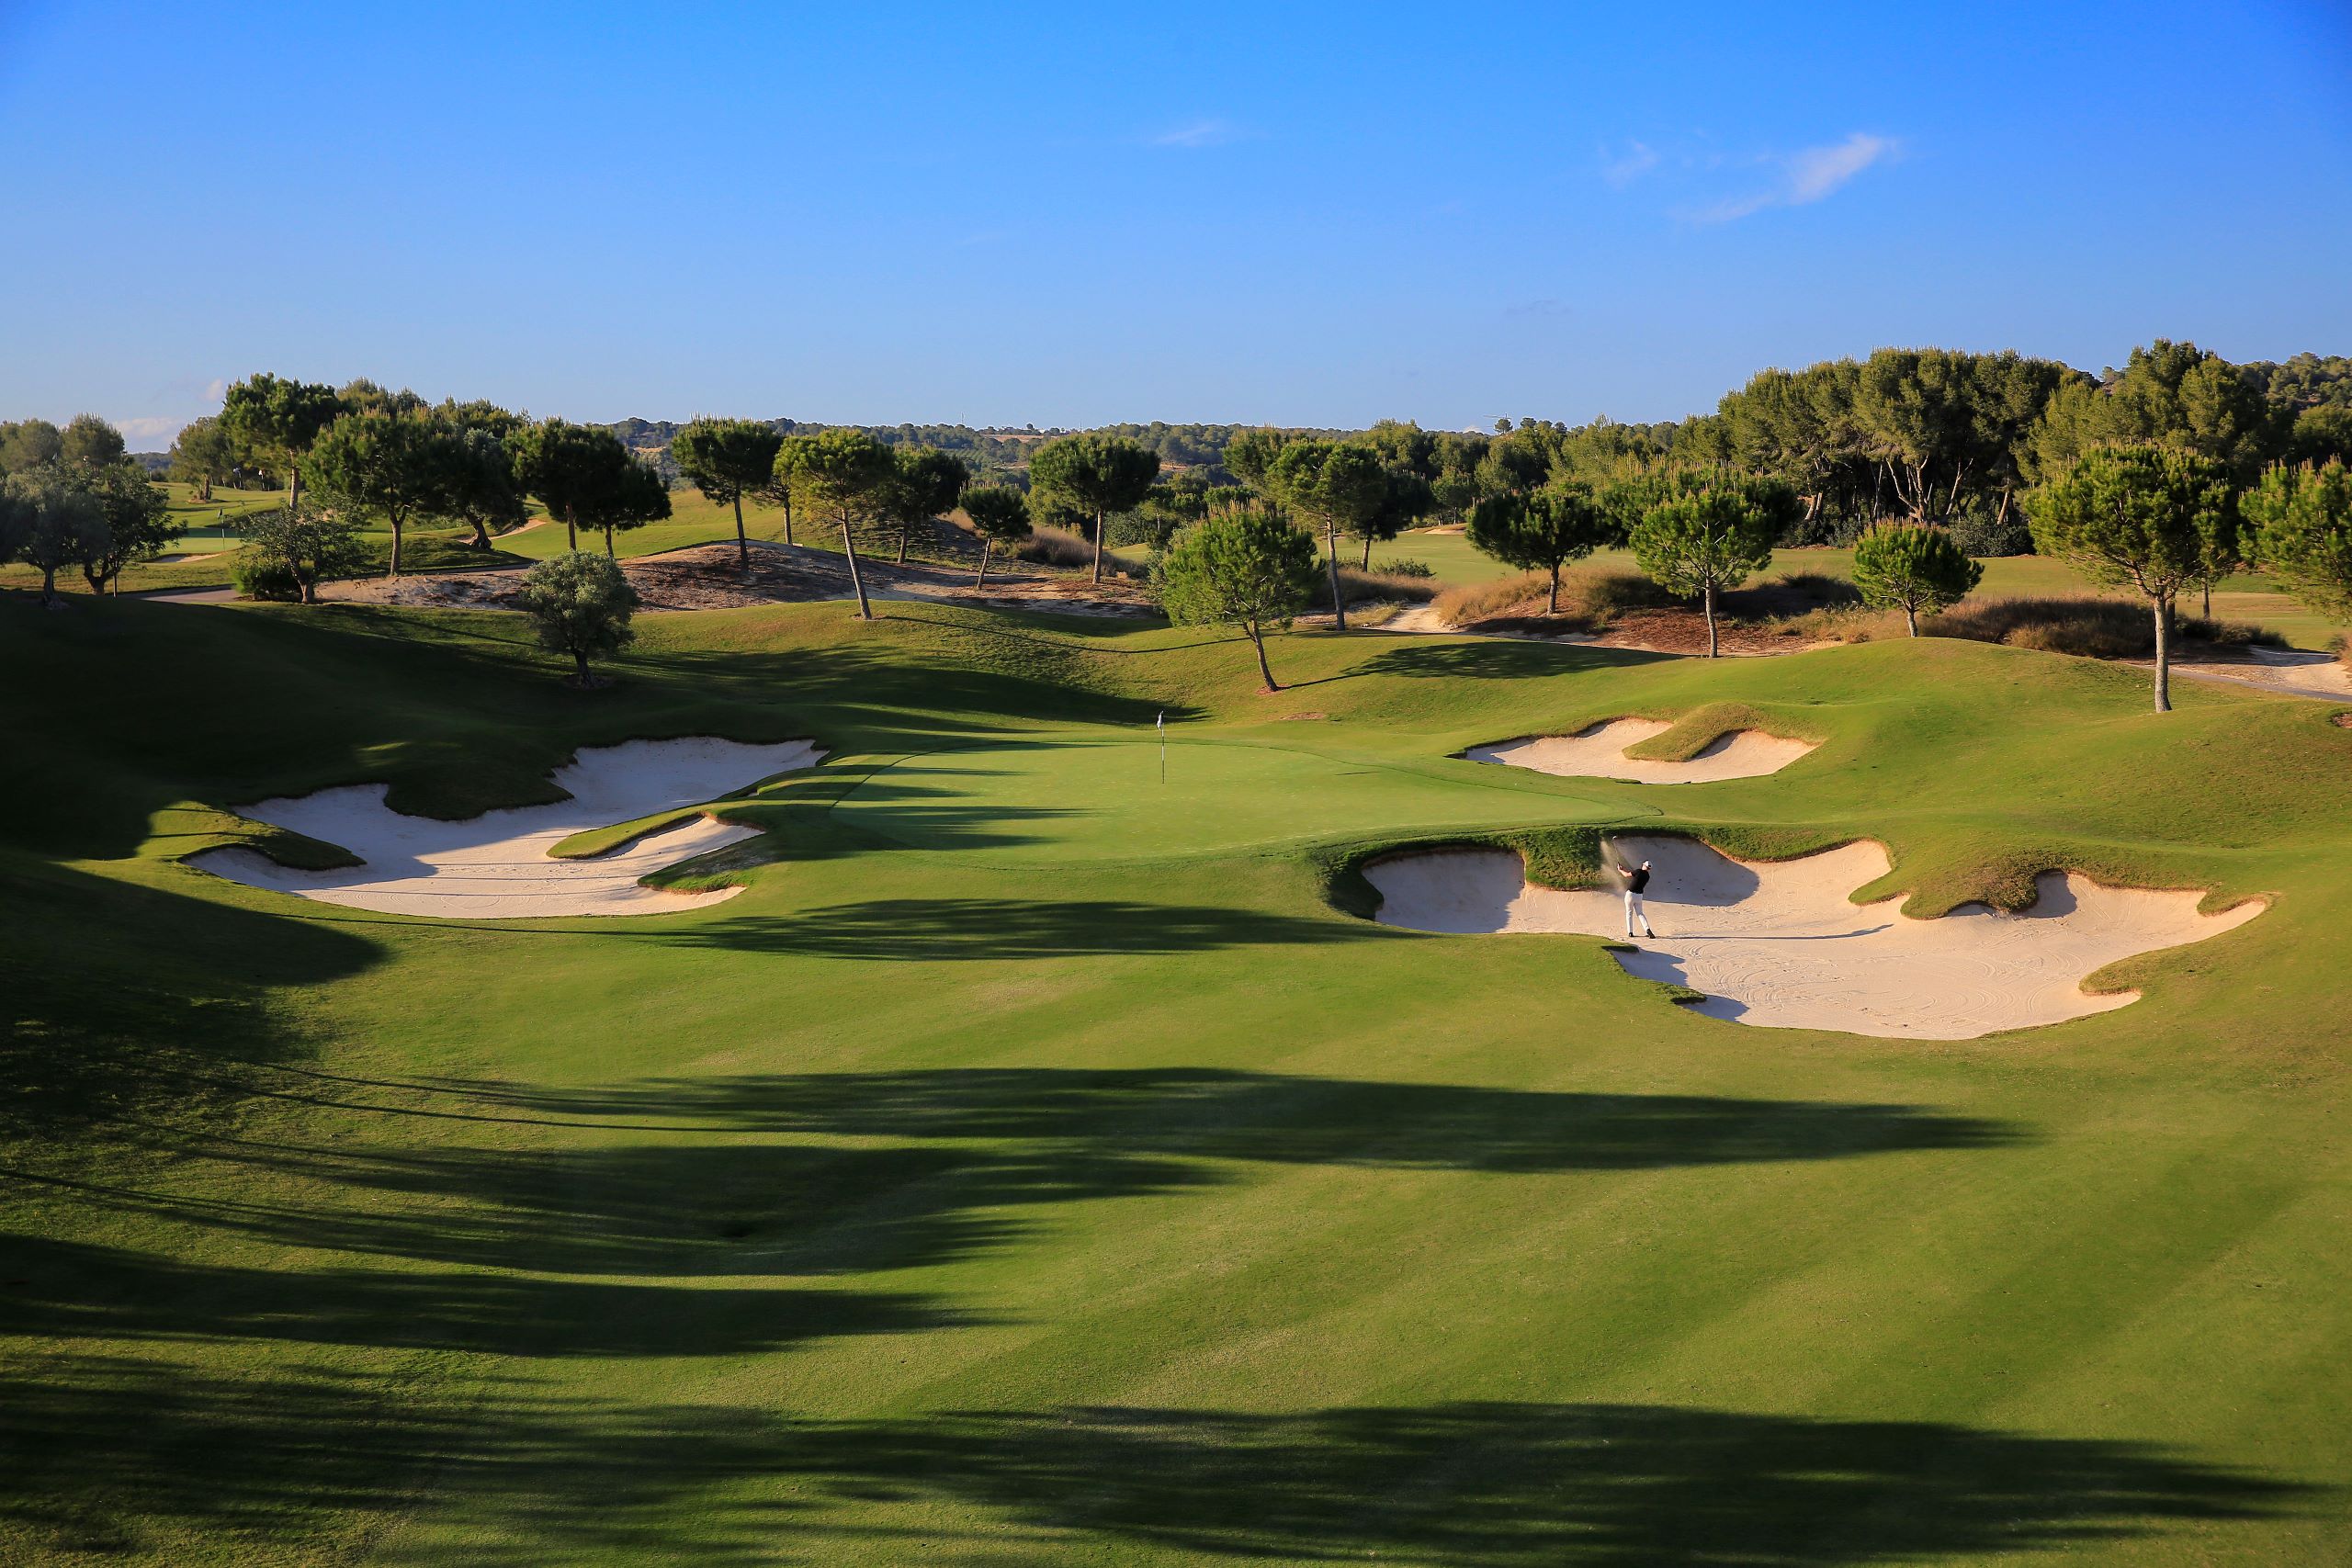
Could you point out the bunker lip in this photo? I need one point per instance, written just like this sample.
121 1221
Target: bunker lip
1781 944
498 865
1598 751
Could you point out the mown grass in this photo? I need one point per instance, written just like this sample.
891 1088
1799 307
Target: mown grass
1032 1164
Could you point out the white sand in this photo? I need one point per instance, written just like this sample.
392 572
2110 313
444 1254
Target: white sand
496 866
1780 944
1598 752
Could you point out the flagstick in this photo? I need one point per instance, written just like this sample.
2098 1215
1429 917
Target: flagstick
1163 746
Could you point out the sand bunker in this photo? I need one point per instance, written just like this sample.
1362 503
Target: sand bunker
1780 944
1598 752
495 866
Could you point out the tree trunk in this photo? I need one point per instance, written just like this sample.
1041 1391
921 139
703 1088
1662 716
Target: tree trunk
310 586
1552 605
787 517
1098 547
1339 604
982 580
293 486
608 543
1258 640
1714 647
743 545
481 540
396 547
1911 618
579 664
2164 655
49 587
2207 583
849 549
570 531
1367 552
2002 515
904 534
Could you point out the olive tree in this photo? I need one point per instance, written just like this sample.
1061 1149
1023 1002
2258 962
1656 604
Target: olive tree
1098 474
1704 543
302 548
1540 531
1912 567
580 604
1250 570
846 471
2150 518
139 520
54 524
28 443
999 515
2300 523
728 459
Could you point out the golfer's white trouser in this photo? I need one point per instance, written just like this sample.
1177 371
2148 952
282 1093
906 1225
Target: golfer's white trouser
1634 911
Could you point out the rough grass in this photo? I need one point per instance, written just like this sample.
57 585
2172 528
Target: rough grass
2099 629
1032 1163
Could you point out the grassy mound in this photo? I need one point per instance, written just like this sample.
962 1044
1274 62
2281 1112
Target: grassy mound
1032 1163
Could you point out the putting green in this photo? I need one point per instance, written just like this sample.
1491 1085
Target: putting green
1086 799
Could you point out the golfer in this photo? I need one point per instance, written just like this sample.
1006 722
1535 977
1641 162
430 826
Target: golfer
1635 880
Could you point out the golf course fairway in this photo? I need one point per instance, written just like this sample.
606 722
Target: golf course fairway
1040 1162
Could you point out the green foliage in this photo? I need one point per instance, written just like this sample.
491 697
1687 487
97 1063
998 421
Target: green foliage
2153 518
203 456
1247 569
580 604
842 470
393 466
28 443
1540 531
277 420
1099 474
1912 567
53 523
298 548
90 443
999 512
1704 542
478 483
2172 394
2301 520
140 524
924 484
586 476
727 459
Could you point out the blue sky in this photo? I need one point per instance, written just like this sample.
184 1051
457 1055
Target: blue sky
1298 215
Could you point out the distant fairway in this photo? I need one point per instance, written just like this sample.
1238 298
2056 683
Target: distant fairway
1033 1164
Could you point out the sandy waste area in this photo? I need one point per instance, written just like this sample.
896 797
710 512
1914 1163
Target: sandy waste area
1598 752
1781 944
496 865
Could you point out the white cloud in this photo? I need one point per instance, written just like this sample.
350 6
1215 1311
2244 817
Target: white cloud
215 389
155 431
1200 133
1806 176
1622 169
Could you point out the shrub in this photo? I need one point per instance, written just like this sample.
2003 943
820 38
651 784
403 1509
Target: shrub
1049 545
1408 569
2095 629
265 578
1362 587
580 604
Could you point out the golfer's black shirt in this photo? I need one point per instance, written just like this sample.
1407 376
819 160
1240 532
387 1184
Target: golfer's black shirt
1637 880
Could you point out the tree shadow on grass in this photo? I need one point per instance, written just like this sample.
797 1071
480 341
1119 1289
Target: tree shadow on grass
967 930
1219 1114
72 1290
1499 660
121 1003
120 1454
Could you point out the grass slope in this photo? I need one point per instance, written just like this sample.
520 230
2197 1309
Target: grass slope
1032 1165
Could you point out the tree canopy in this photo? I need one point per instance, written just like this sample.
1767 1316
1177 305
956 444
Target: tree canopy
2301 523
847 472
580 604
1000 515
728 459
2148 517
392 466
1704 543
278 421
1540 531
1247 569
1099 474
1912 567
